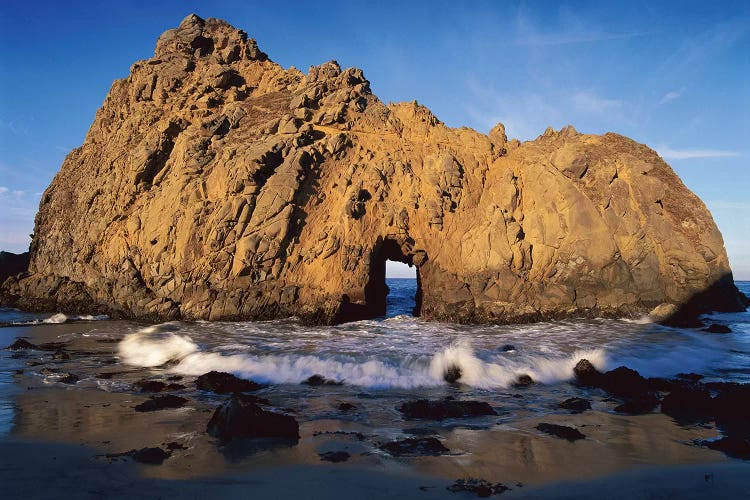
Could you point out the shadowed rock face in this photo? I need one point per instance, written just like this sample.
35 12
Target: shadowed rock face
215 184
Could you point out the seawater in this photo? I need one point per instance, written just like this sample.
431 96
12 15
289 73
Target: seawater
386 360
405 352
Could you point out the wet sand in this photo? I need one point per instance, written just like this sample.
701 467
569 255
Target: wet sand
58 437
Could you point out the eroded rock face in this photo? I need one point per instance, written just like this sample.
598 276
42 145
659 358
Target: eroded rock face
215 184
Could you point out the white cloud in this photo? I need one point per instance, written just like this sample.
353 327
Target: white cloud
671 96
689 154
3 189
589 102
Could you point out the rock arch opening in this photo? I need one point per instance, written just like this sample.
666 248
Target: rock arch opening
401 280
377 291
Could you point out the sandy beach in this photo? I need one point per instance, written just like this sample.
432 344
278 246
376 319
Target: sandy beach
76 438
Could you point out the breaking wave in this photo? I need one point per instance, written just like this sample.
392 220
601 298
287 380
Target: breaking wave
161 344
56 319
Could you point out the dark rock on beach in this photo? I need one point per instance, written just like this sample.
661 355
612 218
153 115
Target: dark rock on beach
717 328
732 446
688 404
317 380
238 418
156 403
452 374
638 405
153 456
415 447
561 431
224 383
334 456
21 344
445 408
621 381
479 487
576 405
733 400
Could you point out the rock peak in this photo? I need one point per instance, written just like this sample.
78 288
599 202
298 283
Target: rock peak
192 20
215 184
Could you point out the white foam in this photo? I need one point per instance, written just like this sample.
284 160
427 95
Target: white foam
503 371
155 345
59 318
56 319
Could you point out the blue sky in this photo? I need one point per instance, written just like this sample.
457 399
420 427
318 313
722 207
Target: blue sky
673 75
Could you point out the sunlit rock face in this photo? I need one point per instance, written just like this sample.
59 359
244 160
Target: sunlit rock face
215 184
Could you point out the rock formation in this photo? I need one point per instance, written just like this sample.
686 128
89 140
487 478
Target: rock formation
216 184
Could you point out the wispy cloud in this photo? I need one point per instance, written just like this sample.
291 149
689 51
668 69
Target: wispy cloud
672 95
556 39
588 101
689 154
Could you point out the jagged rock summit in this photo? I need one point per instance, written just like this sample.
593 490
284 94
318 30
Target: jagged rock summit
216 184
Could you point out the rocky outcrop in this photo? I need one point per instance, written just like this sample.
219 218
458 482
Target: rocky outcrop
216 184
12 264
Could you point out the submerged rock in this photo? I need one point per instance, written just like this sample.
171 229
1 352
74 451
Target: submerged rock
224 383
316 380
716 328
576 405
156 386
585 373
61 355
452 374
346 406
445 408
561 431
69 378
479 487
238 418
156 403
20 345
523 380
237 189
415 447
334 456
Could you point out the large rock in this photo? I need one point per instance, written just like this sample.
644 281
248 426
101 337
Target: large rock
215 184
445 408
242 418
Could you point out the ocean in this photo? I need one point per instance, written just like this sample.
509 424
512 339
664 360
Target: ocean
377 363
